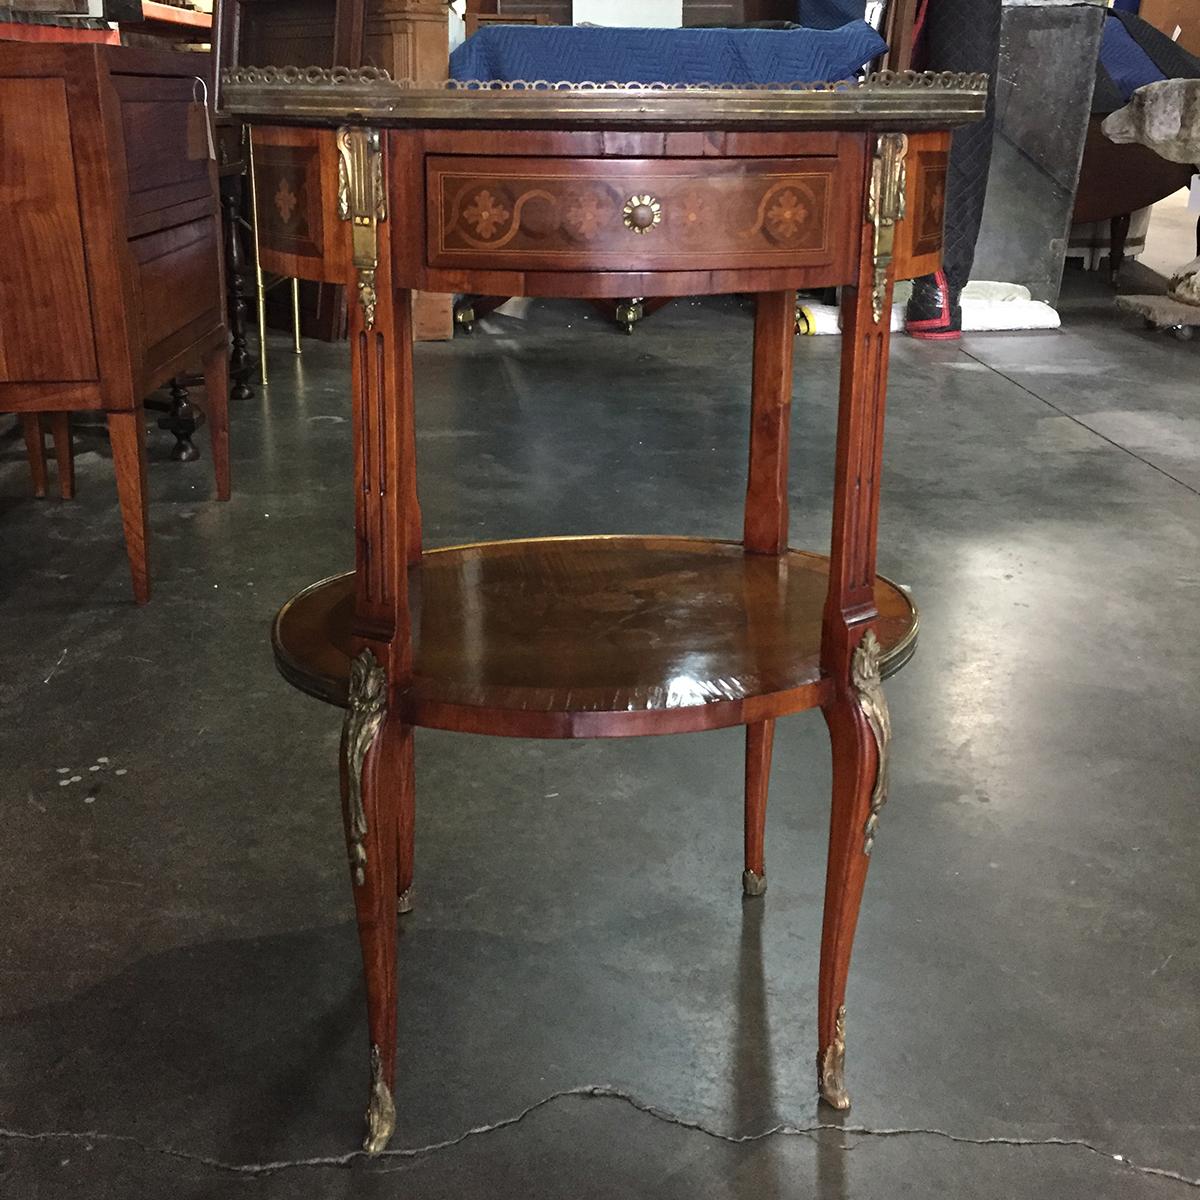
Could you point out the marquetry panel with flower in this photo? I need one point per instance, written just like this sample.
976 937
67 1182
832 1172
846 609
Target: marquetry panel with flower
630 214
929 213
288 186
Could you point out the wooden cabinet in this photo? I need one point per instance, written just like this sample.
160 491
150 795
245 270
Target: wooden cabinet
110 265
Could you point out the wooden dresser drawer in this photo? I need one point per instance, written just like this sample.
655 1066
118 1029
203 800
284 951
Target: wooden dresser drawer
177 286
570 214
166 147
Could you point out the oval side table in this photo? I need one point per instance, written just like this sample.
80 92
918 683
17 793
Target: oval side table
606 191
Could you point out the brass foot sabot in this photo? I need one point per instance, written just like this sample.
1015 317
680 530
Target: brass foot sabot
753 885
832 1067
381 1111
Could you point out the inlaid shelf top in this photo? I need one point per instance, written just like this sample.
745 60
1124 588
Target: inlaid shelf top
316 95
594 636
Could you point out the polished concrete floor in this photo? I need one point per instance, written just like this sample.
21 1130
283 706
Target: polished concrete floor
589 1009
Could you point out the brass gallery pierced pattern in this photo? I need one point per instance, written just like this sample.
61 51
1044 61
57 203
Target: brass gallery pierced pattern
351 77
326 76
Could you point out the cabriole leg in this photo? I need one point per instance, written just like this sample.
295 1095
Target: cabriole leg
375 770
860 736
855 710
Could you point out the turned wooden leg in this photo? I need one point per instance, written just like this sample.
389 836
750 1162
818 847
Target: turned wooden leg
765 528
760 739
35 451
182 419
216 388
376 772
127 432
240 365
64 453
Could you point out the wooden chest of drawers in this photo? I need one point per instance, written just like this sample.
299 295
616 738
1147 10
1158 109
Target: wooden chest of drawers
110 246
110 242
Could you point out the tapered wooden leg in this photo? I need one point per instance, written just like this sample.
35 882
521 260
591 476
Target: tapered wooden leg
765 530
760 739
127 432
216 388
35 451
376 772
64 453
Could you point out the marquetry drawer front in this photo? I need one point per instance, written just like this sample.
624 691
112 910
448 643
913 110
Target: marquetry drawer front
631 214
166 144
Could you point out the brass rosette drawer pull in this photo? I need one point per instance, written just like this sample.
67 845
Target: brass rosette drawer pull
642 213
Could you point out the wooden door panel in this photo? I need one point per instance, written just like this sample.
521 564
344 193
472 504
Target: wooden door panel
45 314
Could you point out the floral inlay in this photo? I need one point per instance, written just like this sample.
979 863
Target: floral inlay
788 215
486 214
697 210
285 200
582 214
936 205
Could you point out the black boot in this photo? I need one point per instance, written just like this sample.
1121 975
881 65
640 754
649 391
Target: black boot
959 35
934 310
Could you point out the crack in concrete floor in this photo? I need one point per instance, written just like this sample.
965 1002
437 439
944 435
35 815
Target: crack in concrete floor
597 1091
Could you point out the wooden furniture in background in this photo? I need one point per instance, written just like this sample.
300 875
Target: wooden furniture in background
110 262
34 427
696 193
407 38
1169 15
1117 180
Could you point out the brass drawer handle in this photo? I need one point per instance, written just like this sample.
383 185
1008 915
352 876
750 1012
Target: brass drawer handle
642 213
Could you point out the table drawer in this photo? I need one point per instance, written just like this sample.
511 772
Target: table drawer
571 214
166 145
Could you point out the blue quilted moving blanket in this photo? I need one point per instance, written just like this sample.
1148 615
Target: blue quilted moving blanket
578 55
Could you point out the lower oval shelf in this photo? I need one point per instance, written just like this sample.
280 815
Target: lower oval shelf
595 636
